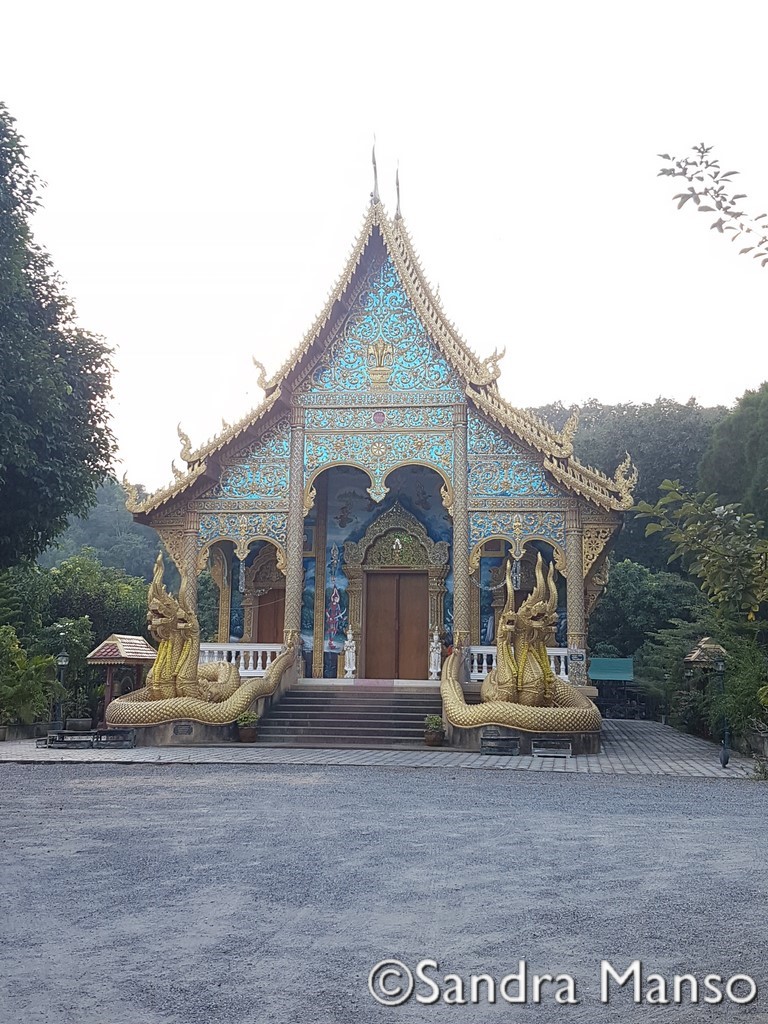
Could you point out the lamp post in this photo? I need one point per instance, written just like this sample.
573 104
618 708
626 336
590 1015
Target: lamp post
719 668
62 660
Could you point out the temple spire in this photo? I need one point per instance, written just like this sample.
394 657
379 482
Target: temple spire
375 194
398 215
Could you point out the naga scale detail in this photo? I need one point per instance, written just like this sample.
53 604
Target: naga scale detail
178 687
521 691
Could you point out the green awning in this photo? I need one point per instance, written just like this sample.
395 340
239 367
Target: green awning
613 669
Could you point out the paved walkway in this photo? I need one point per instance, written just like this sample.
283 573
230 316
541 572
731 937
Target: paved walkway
629 748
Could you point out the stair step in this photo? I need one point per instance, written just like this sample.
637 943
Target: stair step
350 716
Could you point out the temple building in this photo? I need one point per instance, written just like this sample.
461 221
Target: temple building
377 490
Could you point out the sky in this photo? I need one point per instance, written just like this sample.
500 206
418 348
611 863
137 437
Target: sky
208 167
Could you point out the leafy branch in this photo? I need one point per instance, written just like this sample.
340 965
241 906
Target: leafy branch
709 191
721 545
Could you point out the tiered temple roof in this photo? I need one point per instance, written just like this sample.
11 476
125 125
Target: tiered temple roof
479 378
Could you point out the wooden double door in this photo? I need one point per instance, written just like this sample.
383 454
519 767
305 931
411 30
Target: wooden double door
269 626
396 625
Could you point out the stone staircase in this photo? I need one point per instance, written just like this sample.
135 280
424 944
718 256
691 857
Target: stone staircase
331 715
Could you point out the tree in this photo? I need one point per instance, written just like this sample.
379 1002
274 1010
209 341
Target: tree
720 545
708 182
637 603
26 684
82 586
55 441
736 461
112 535
666 440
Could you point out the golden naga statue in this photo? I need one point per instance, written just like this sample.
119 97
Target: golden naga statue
178 687
522 692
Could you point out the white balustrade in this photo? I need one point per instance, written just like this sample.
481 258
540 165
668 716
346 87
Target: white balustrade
483 659
251 659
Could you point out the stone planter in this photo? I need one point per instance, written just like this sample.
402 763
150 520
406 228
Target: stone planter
247 733
79 724
434 737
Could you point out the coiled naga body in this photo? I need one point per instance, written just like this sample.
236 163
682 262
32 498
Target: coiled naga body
522 691
178 687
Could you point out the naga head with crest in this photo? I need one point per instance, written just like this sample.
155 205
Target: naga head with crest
537 615
165 615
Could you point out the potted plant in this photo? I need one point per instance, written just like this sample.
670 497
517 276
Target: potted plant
434 734
246 727
80 712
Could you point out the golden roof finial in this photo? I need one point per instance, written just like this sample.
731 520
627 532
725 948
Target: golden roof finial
398 215
375 194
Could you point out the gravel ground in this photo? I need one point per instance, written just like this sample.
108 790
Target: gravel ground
146 894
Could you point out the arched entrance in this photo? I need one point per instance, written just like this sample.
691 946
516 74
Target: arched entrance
263 598
397 577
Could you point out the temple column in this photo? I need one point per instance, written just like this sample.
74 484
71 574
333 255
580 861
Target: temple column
462 611
221 569
188 563
574 558
294 547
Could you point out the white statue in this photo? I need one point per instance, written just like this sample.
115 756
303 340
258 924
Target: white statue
434 656
350 655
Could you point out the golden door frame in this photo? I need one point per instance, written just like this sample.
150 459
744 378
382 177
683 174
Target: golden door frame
397 542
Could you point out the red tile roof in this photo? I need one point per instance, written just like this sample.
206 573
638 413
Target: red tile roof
120 649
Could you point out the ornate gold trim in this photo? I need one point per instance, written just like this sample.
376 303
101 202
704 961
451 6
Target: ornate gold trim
241 549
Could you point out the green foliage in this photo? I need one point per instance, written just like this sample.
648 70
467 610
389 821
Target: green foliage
659 662
111 534
666 440
692 712
746 672
76 637
708 182
55 442
27 684
248 718
79 704
736 461
638 602
113 601
433 723
719 544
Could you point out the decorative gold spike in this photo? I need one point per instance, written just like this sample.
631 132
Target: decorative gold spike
186 445
569 432
624 481
132 500
261 380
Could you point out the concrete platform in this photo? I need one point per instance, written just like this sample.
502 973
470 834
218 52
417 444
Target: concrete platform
629 748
